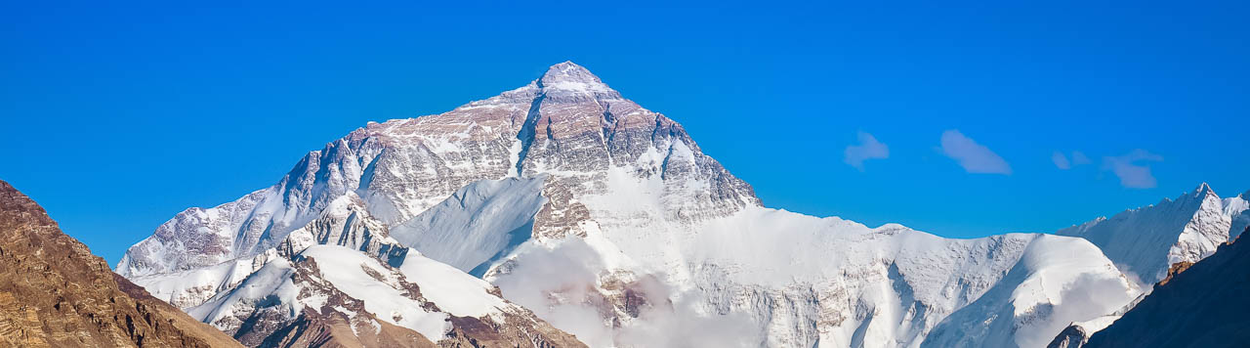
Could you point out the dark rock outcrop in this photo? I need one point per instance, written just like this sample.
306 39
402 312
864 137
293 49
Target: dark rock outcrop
1072 337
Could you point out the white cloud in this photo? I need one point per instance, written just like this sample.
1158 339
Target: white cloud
868 148
1060 160
975 158
1078 158
1131 173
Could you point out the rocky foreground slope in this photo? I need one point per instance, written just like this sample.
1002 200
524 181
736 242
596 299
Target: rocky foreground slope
586 211
54 293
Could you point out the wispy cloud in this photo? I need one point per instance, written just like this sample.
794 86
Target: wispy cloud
1060 160
1078 158
1132 169
975 158
868 148
559 284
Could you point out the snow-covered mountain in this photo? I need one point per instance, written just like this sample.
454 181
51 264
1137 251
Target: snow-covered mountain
605 220
1148 240
1152 242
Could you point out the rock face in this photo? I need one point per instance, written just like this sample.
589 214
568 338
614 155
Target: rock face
606 220
54 293
1203 306
1072 337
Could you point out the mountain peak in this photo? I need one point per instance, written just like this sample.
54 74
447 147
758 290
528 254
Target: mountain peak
569 71
570 77
1203 188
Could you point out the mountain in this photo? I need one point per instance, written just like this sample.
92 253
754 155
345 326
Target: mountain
606 220
1149 240
1152 243
54 293
1203 306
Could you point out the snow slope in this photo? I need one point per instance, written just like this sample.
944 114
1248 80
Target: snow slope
1058 279
608 221
477 224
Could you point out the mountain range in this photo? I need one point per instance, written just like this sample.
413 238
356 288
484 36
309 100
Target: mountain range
562 214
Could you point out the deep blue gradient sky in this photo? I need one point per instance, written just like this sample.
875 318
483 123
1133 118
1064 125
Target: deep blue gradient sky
116 117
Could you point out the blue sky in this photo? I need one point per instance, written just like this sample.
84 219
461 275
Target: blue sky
116 117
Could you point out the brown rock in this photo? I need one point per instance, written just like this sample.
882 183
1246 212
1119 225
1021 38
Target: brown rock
1175 269
55 293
